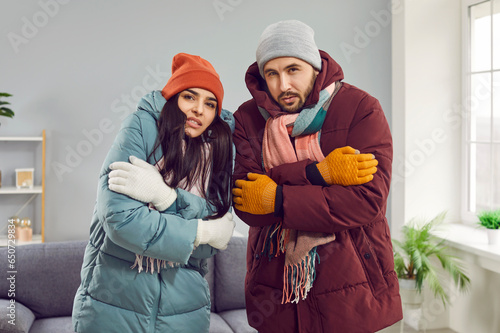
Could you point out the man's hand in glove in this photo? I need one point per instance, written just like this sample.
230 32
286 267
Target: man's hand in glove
257 195
346 166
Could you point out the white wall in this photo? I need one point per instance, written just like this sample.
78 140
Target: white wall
426 88
76 68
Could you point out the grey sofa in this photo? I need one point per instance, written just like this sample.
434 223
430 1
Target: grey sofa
45 277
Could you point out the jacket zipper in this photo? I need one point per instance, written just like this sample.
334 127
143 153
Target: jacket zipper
156 305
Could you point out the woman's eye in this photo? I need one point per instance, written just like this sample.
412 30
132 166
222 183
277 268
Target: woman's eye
188 97
211 105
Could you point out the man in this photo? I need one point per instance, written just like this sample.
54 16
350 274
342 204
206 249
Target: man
319 255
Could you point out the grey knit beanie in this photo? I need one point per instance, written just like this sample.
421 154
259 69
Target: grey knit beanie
289 38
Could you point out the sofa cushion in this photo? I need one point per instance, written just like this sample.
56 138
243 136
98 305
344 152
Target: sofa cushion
237 320
218 325
36 285
230 270
52 325
22 317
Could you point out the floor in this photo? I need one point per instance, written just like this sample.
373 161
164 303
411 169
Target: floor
407 329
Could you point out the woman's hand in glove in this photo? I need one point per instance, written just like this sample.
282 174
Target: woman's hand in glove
141 181
215 233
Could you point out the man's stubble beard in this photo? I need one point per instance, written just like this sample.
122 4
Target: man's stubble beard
302 99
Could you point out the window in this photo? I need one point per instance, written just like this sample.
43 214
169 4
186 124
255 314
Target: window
482 106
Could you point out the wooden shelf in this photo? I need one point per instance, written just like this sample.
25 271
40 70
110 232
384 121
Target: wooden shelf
34 191
21 138
15 190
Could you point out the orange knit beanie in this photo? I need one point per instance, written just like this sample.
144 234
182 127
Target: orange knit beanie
191 71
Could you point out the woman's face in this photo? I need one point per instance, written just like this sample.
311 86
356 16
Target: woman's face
199 106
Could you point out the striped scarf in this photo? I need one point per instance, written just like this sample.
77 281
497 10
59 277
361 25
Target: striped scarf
299 247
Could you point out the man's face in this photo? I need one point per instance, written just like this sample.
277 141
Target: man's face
290 81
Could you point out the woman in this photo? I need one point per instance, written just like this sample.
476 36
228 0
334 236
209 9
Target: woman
163 213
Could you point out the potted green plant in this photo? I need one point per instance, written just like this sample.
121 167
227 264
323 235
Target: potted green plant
5 111
414 256
490 219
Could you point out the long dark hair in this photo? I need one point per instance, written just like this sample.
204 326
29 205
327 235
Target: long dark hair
213 166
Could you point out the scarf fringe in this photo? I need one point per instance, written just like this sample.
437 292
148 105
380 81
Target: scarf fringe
275 241
150 264
298 278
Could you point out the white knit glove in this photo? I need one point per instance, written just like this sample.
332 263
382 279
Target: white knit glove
141 181
215 233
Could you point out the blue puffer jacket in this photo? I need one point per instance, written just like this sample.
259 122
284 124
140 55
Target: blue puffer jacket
113 297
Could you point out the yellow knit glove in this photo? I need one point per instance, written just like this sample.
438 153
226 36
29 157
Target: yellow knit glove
346 166
256 195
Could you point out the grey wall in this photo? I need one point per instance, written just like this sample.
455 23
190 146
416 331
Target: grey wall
76 68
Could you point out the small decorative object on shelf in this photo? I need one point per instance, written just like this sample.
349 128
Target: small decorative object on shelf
25 231
24 178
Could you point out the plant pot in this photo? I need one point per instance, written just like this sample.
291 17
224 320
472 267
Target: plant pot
412 301
493 236
410 296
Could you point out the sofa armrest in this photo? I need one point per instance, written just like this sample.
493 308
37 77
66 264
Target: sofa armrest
15 317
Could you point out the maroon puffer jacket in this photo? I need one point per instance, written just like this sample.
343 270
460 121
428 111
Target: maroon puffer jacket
356 288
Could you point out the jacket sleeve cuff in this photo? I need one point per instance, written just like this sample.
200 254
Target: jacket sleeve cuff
314 176
278 202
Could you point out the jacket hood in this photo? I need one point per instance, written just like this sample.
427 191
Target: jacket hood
330 72
154 101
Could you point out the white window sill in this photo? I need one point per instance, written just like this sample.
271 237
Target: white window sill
472 243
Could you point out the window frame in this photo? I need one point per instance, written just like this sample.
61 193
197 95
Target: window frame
467 215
